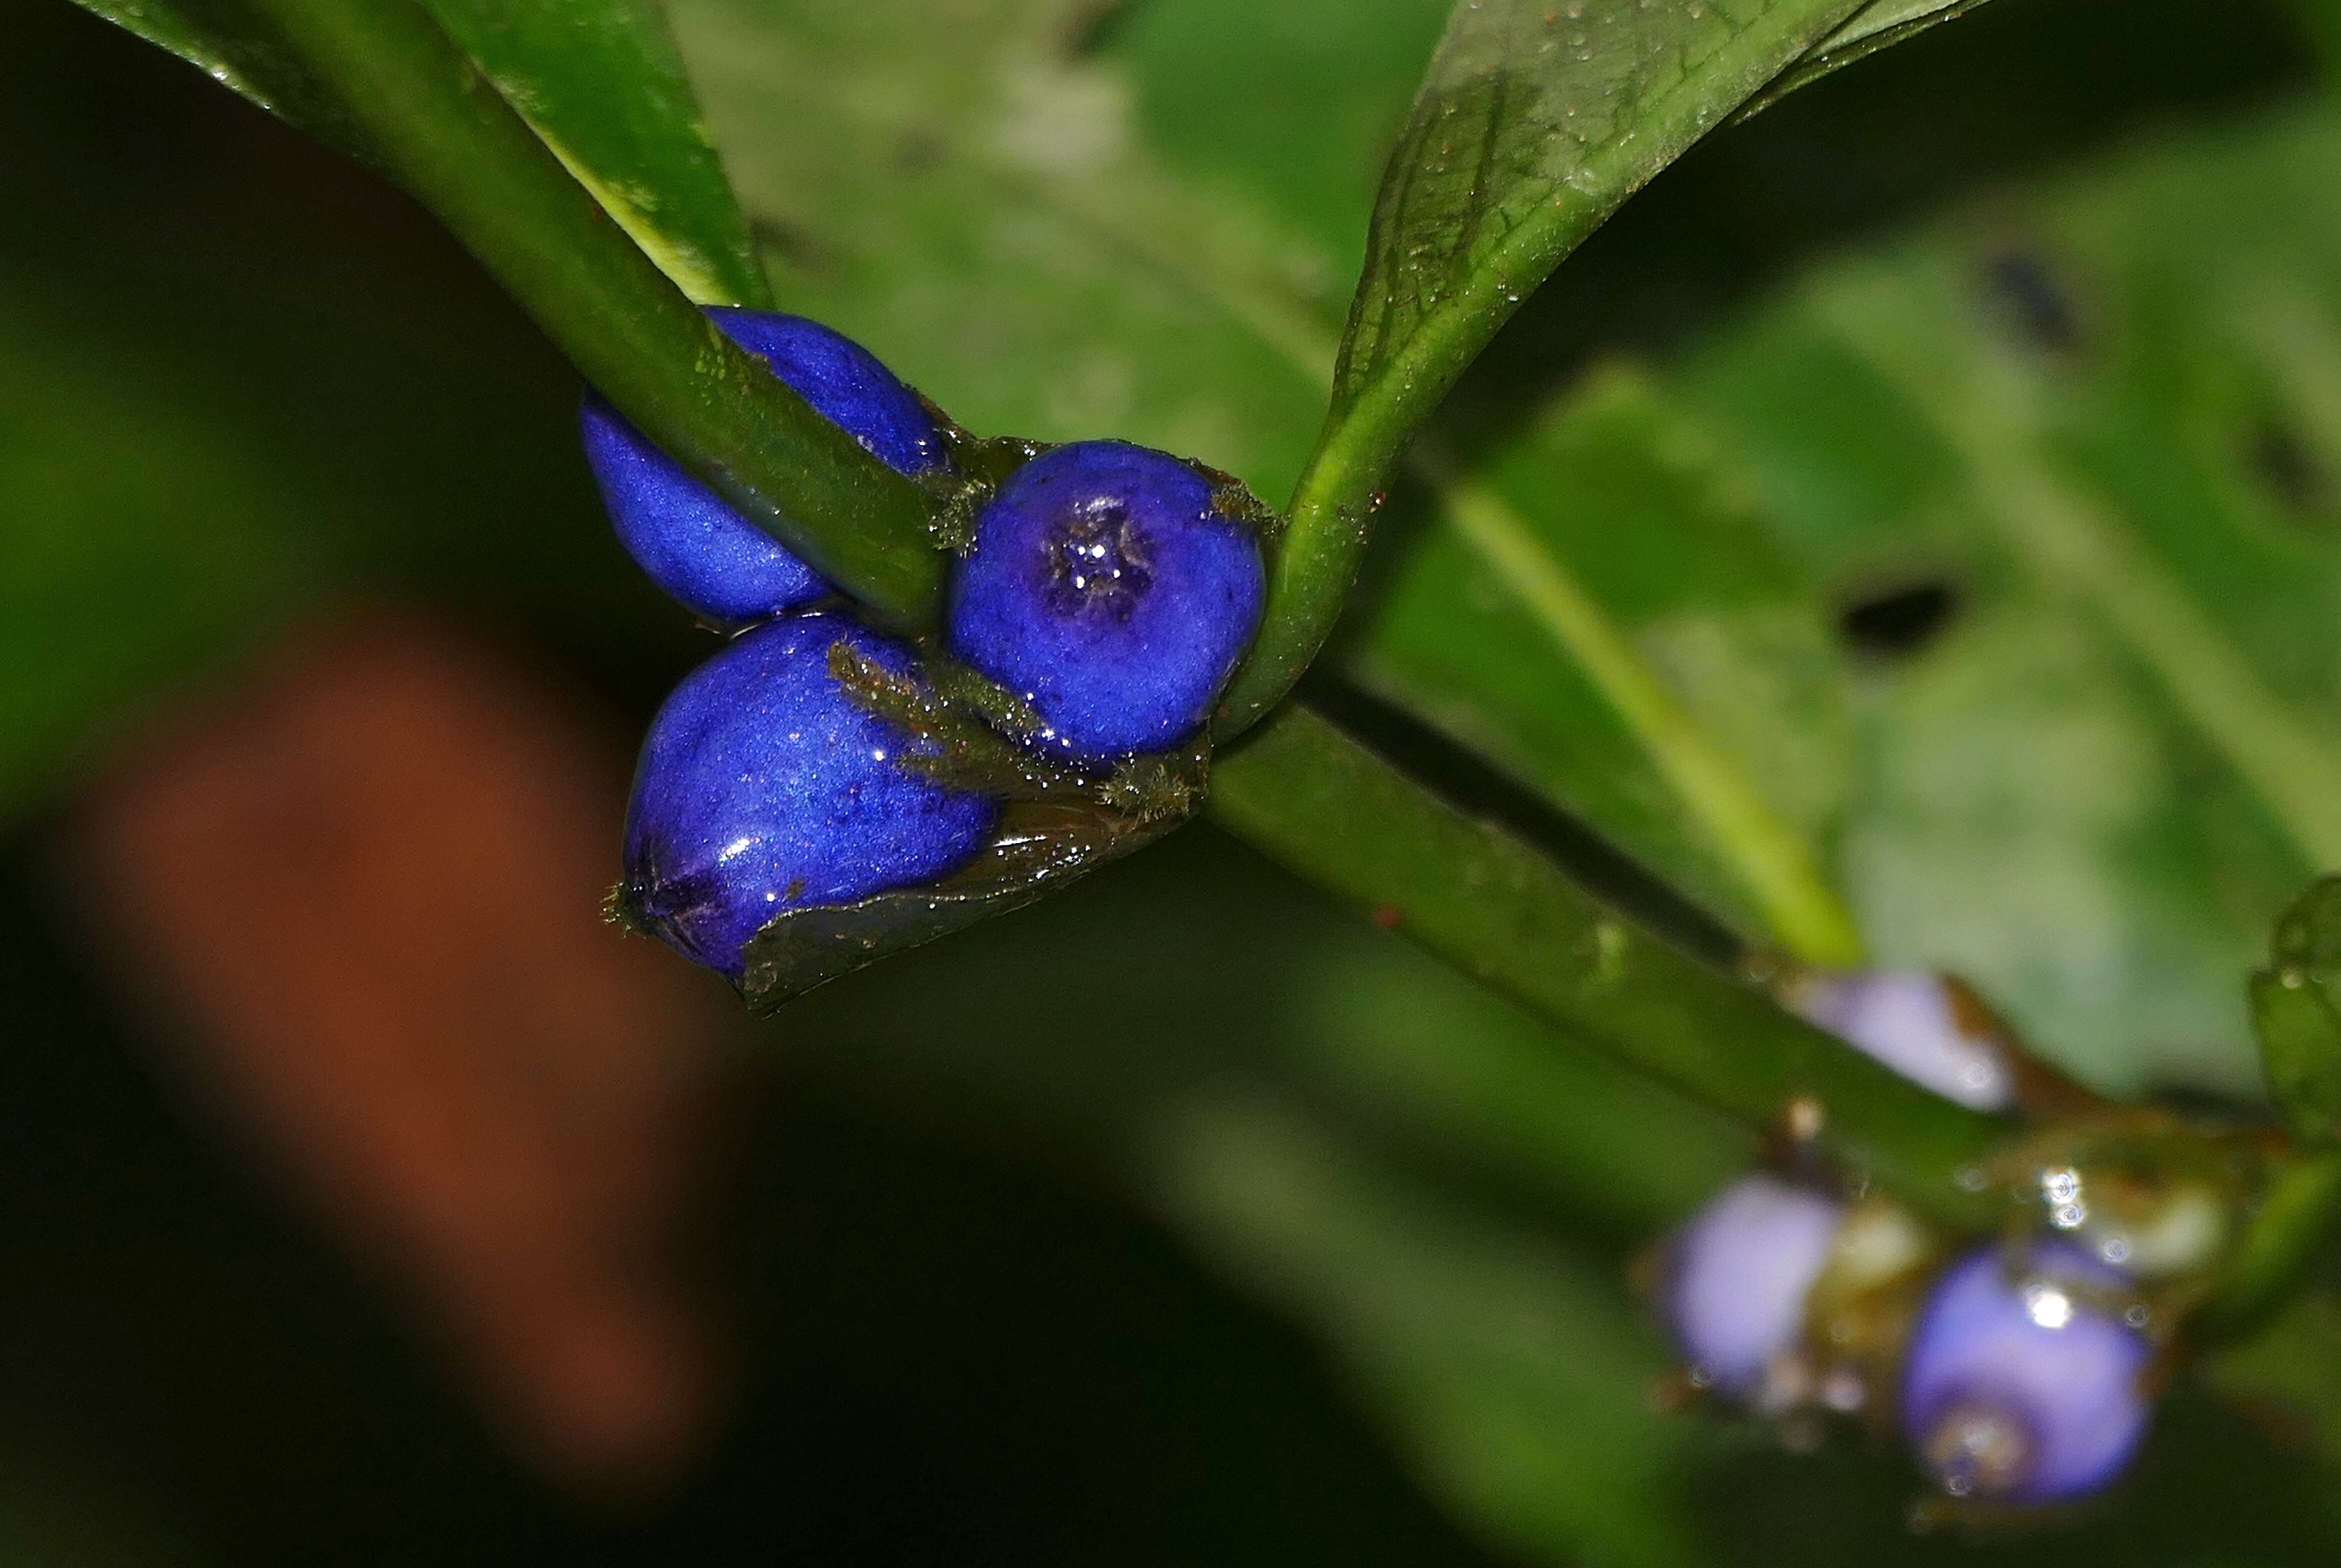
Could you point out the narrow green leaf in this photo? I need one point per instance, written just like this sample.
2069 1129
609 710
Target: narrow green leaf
1878 26
2297 1011
231 41
599 79
1535 122
602 81
1599 610
455 142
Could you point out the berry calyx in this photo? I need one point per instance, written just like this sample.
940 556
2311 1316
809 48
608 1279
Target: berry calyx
1738 1275
1107 590
2021 1382
688 538
764 786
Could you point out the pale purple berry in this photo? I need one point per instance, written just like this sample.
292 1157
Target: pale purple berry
1910 1022
1737 1274
2021 1383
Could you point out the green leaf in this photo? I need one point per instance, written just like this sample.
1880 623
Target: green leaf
467 154
1599 610
2101 420
957 188
231 41
599 79
2297 1015
1878 26
602 81
1535 122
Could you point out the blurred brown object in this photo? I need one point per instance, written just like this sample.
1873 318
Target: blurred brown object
363 885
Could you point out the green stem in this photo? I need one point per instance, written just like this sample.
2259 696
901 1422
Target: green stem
450 137
1313 800
2295 1220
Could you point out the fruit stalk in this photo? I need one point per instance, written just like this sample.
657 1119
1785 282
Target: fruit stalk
442 128
1316 802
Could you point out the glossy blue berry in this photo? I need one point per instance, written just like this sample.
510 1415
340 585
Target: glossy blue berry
1737 1274
1911 1023
764 786
688 538
1105 591
2020 1384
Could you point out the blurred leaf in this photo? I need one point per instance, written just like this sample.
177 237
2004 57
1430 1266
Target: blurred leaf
2298 1015
145 537
1292 106
2322 18
1600 612
1518 1377
599 79
2096 428
2289 1374
957 188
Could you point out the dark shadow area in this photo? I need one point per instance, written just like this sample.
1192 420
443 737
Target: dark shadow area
962 1360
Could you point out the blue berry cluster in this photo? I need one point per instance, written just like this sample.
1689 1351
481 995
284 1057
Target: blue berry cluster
1104 587
2014 1372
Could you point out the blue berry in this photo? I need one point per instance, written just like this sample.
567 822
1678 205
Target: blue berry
2019 1386
1105 591
1737 1274
764 786
688 538
1912 1023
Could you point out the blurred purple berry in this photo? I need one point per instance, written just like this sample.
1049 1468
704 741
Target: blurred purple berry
1909 1023
686 536
2018 1387
1737 1274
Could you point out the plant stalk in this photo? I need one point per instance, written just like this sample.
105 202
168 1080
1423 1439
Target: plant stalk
1322 805
445 132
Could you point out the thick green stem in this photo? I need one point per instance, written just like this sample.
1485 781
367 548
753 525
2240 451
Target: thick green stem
1318 802
448 137
2293 1224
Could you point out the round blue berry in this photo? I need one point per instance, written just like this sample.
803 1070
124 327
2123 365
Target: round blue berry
1105 591
1737 1274
764 786
688 538
1911 1023
2020 1385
